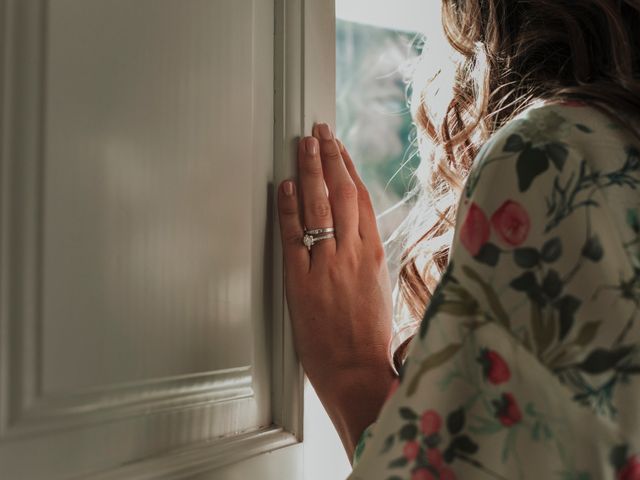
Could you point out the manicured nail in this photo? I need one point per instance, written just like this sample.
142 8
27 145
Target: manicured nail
324 131
288 188
311 144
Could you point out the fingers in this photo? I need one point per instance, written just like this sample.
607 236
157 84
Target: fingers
295 253
367 224
343 194
316 206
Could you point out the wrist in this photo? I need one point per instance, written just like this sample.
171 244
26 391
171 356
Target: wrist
353 398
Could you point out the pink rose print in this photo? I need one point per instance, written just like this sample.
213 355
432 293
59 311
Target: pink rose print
434 457
631 470
507 410
511 223
447 474
430 422
411 450
495 369
422 474
475 230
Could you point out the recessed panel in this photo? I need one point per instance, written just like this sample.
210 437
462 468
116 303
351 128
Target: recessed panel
148 214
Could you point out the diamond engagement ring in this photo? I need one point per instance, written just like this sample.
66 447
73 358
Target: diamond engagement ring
313 236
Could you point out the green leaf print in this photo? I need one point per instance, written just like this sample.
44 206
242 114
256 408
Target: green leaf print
489 254
408 432
618 456
558 153
492 297
436 301
632 220
408 414
528 284
587 333
430 363
432 309
526 257
583 128
542 331
398 462
531 163
567 306
514 143
535 431
460 308
509 444
486 427
601 360
551 250
593 249
388 443
455 421
464 444
525 282
552 284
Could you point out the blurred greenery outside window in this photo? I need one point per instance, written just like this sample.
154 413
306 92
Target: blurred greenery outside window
373 118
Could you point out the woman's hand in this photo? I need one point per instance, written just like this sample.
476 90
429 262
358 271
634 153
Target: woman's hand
339 293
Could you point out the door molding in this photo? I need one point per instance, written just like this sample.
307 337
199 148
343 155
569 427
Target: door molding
304 60
204 457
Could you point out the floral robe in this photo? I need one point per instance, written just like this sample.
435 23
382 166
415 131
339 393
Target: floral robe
527 362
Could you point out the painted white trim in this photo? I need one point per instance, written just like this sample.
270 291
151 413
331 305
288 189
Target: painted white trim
209 456
141 398
304 61
287 399
23 37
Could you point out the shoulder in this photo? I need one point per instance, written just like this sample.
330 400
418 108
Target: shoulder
526 179
558 126
547 122
543 141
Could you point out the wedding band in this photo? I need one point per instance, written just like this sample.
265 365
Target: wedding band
317 231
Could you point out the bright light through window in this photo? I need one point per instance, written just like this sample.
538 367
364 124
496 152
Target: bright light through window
403 15
375 41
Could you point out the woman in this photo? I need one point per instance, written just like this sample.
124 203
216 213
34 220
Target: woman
526 361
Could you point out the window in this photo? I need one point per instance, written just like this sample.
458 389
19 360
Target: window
375 43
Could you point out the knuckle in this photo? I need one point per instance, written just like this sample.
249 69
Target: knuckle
330 152
347 191
292 238
320 209
378 254
350 258
313 168
288 209
343 271
336 273
363 194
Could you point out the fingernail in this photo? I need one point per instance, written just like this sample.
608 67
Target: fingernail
288 188
311 144
324 131
340 145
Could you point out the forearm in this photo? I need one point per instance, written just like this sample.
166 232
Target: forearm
353 399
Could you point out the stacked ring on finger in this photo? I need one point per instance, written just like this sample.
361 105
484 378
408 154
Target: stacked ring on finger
312 236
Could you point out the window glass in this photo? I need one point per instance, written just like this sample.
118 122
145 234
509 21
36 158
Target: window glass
376 41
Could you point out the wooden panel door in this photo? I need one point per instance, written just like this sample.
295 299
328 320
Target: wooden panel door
143 327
